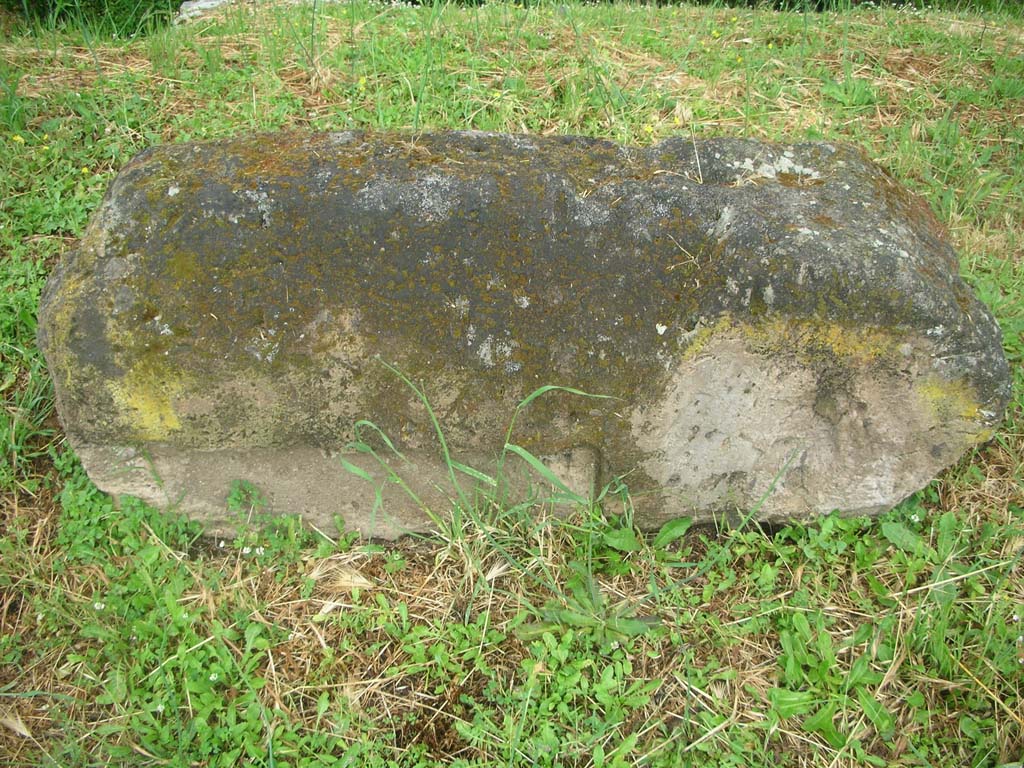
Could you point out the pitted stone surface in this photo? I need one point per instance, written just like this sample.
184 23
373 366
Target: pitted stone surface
783 328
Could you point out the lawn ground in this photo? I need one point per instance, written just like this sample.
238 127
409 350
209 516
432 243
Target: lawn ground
511 638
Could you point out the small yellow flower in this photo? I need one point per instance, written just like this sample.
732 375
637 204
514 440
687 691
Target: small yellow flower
770 46
85 170
649 129
46 137
715 33
734 19
45 147
739 59
17 139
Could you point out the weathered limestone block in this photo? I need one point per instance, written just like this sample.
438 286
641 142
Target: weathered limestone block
783 328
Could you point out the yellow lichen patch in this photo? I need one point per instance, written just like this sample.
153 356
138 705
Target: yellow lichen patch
981 437
699 338
805 338
856 344
948 399
145 397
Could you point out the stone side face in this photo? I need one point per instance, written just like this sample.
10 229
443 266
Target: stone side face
783 328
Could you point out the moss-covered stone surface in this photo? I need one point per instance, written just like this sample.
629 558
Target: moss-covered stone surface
782 327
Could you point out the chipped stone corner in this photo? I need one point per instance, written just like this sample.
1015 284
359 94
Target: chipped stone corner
769 416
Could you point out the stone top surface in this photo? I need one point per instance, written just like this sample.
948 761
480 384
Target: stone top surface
539 235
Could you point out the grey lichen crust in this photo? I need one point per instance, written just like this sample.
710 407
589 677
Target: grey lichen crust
783 328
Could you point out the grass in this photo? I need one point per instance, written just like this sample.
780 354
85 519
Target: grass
529 632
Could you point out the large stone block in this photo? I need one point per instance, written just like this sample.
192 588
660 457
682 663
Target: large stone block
783 328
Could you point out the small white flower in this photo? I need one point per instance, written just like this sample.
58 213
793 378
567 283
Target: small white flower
246 550
1016 617
99 606
220 544
160 709
213 677
260 550
915 518
39 618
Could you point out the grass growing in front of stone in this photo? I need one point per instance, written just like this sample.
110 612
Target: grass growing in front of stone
547 633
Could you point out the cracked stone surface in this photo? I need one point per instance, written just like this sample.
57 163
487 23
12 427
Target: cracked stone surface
782 329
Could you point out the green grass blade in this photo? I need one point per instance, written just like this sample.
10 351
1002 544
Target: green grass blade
550 477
